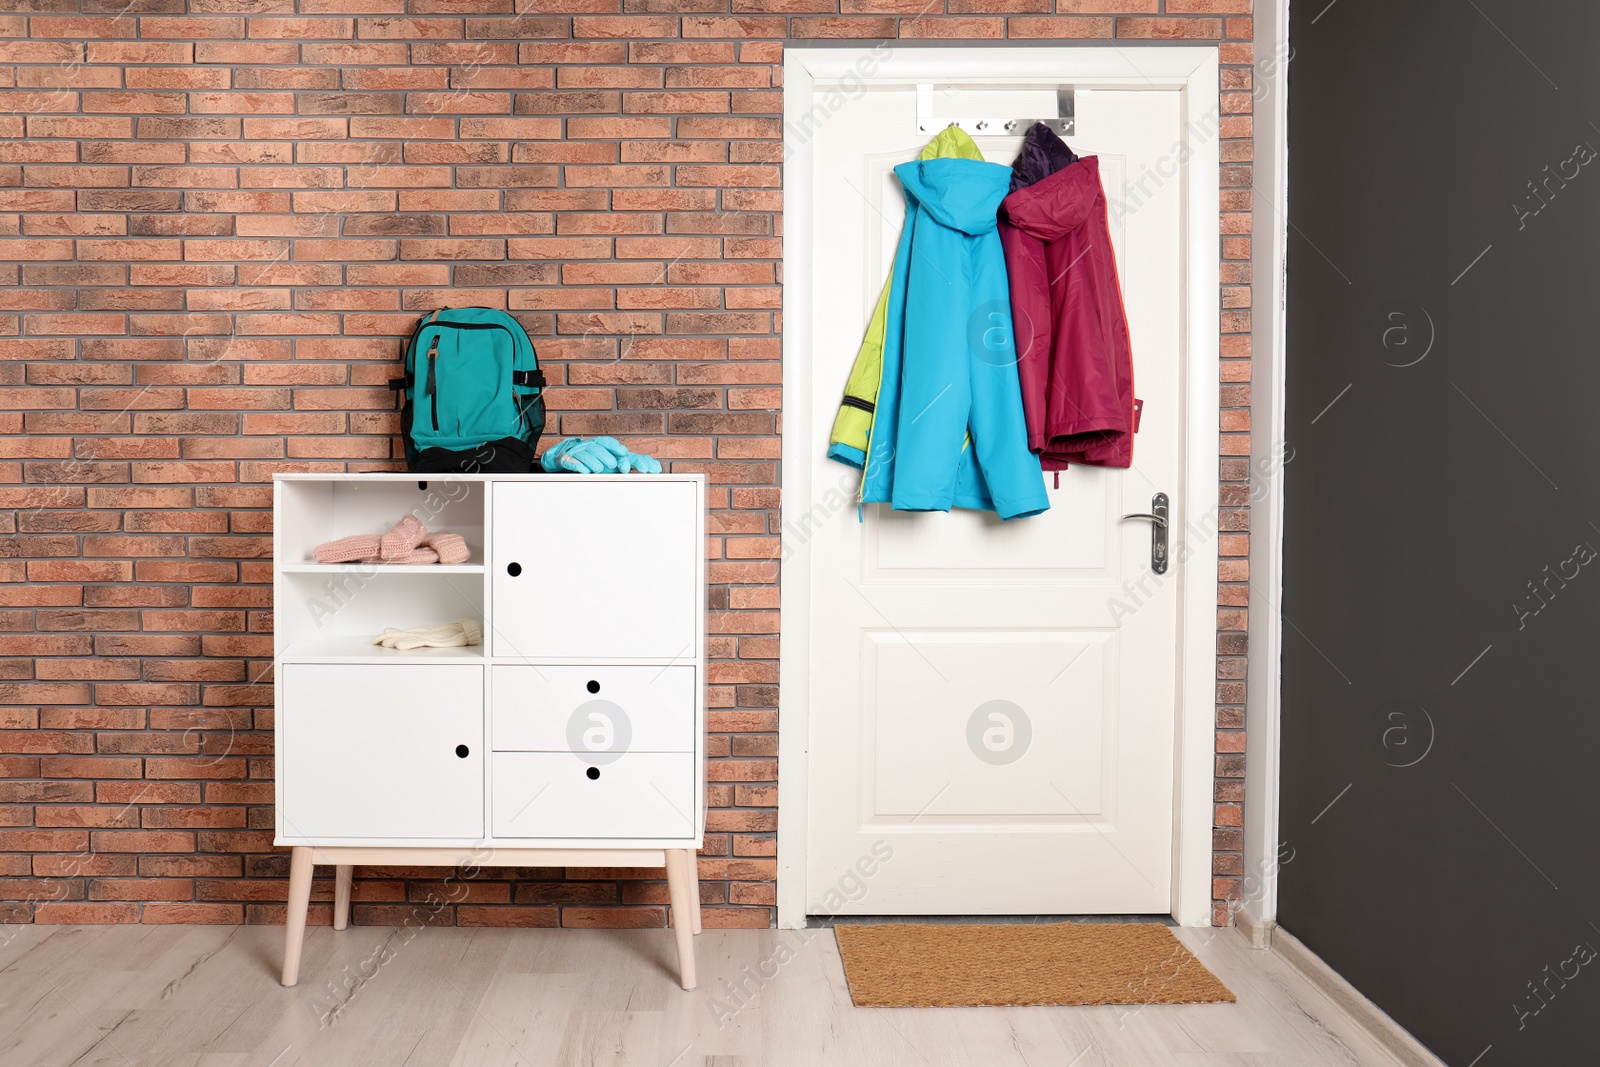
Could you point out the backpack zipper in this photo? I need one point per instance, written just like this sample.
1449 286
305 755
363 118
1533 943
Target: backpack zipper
433 380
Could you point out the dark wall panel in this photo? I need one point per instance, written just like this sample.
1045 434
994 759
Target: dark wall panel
1442 538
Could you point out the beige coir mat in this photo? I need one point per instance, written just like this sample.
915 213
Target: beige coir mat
933 966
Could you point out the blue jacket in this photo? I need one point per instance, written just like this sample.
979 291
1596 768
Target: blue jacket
948 428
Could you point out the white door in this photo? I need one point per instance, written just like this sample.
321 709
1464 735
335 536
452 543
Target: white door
376 752
993 705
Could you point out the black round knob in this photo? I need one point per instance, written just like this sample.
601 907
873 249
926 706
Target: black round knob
513 569
593 773
593 686
462 751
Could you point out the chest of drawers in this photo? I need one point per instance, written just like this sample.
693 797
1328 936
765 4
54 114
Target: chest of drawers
573 735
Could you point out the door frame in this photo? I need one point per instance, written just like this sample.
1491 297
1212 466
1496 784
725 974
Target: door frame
1190 70
1269 455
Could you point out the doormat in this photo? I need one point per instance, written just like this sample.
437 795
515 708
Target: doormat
906 965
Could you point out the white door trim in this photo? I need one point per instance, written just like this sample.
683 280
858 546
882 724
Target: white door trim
1268 455
1193 72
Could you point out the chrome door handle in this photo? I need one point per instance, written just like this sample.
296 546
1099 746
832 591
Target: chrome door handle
1160 511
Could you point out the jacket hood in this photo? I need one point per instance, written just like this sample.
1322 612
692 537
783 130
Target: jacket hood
1043 153
962 194
1054 206
951 142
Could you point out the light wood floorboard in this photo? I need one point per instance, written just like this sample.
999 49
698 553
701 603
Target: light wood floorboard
208 996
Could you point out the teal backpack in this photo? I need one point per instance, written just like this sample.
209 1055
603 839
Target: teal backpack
473 394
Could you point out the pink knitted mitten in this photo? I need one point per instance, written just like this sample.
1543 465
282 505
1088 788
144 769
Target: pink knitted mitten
407 534
420 554
452 548
353 549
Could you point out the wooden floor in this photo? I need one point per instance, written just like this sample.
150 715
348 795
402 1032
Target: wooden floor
208 996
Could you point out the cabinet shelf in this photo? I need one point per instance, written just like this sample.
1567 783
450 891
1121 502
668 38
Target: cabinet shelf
375 569
347 648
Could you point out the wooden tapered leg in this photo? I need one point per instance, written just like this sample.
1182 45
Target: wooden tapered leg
694 889
294 924
343 875
678 888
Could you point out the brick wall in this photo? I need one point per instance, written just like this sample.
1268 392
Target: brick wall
217 220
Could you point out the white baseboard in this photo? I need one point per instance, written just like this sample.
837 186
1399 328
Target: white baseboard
1393 1037
1256 931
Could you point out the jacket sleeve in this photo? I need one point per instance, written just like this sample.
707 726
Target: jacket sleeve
1032 322
935 382
852 427
998 426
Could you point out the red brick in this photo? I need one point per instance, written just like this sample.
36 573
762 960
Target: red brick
523 916
44 840
141 841
76 914
82 866
1170 28
747 27
213 914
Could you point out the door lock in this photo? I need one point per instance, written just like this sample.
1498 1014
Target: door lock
1160 511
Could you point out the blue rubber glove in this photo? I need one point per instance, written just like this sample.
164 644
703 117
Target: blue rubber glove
601 455
579 457
628 461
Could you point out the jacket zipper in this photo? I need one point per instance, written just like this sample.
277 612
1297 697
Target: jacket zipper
866 460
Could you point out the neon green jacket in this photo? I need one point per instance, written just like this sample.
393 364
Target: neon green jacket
852 427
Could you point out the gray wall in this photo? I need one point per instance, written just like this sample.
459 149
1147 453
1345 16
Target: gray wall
1441 729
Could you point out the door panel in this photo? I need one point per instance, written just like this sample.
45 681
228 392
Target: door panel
372 751
999 695
996 701
580 549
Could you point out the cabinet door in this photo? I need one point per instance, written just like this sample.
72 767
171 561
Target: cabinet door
561 795
595 570
382 751
600 710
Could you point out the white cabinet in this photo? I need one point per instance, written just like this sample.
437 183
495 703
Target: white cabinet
591 594
573 737
582 571
361 739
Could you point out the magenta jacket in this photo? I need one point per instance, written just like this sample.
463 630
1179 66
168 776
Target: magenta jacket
1073 355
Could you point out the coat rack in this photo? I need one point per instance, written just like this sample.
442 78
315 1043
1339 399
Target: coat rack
1063 123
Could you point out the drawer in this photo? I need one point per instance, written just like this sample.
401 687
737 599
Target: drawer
600 711
559 794
594 570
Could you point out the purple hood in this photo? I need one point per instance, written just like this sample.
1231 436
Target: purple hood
1043 153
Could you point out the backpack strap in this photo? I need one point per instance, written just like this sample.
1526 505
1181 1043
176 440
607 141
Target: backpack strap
528 379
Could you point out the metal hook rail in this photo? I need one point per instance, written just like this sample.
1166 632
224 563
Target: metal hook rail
1064 122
